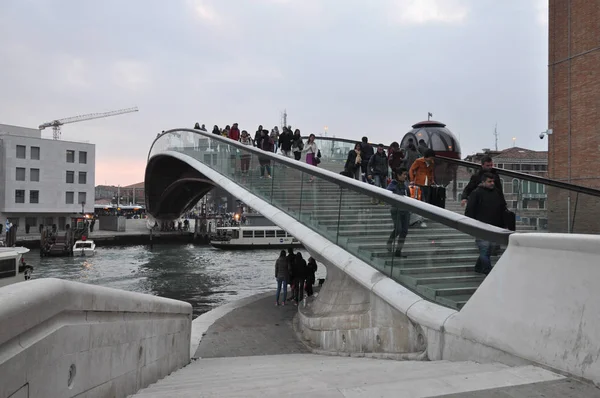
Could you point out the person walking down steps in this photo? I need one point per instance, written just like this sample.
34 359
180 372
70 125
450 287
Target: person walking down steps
400 218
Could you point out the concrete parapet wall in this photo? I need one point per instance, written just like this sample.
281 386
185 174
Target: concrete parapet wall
540 304
64 339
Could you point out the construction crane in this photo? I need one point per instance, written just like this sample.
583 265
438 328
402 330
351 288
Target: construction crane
55 124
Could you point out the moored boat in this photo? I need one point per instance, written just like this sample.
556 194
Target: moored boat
240 238
13 268
84 247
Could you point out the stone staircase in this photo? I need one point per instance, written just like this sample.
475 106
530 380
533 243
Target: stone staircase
439 263
308 375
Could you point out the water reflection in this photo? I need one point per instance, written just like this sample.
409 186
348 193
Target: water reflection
203 276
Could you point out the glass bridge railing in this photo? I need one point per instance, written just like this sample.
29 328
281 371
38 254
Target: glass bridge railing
540 204
438 255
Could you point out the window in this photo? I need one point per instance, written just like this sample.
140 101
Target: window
20 176
70 198
270 234
259 234
34 196
20 196
70 156
526 167
21 151
515 184
70 177
81 197
82 177
32 221
35 153
8 268
34 174
281 234
82 157
235 234
247 234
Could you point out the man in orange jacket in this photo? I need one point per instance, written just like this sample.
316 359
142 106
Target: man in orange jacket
421 172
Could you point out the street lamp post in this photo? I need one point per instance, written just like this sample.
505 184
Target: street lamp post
82 206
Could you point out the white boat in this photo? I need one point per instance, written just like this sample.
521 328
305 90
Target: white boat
84 248
13 268
253 238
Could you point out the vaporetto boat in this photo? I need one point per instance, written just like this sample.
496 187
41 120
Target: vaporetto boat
243 237
13 268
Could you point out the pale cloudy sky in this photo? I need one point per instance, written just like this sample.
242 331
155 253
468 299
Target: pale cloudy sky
360 67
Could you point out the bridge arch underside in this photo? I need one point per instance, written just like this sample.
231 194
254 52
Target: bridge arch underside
173 187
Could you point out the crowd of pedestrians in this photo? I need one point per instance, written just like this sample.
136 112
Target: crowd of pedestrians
291 269
289 143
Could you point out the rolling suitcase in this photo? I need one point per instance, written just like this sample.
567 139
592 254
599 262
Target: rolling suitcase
437 196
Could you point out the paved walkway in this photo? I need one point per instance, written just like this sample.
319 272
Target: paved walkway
259 328
253 351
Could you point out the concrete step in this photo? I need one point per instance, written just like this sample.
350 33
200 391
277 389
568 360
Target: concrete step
457 301
306 375
454 269
414 280
436 253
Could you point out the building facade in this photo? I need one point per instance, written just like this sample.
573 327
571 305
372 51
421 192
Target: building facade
128 195
44 181
573 116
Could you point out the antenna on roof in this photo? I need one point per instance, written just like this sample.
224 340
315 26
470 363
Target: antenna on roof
496 136
429 116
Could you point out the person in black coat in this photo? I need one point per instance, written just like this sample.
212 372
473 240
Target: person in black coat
285 142
486 204
354 162
487 166
311 270
366 153
299 271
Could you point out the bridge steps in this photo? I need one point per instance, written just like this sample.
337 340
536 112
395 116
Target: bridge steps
440 259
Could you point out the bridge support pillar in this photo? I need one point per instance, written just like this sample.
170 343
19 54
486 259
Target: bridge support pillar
347 318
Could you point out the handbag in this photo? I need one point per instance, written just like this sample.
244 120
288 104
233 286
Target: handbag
510 220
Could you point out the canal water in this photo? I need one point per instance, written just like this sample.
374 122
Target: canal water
203 276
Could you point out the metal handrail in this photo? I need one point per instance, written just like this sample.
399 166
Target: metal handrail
509 173
453 220
527 177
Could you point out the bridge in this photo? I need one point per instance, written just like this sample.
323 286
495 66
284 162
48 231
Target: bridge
430 303
538 306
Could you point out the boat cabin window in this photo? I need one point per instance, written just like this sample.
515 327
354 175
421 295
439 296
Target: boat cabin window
247 234
235 234
281 234
270 234
8 268
259 234
83 245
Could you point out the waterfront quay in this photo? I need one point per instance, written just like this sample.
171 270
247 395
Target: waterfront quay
136 233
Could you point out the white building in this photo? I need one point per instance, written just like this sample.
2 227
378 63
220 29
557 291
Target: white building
43 181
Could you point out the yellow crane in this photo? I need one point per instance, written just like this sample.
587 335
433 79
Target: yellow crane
55 124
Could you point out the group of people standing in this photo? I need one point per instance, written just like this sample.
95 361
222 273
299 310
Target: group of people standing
288 143
292 269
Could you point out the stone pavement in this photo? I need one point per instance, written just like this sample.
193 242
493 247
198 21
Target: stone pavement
566 388
259 328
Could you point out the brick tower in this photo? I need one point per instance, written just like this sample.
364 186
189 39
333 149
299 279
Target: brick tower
574 112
